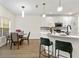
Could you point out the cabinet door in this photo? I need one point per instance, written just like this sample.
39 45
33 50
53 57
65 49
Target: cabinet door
67 20
74 25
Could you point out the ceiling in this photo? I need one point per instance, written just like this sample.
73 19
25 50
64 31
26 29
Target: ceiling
69 6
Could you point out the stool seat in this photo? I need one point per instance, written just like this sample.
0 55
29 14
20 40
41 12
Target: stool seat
63 46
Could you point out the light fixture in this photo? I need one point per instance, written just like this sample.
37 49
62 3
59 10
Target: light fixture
44 15
60 8
23 11
23 14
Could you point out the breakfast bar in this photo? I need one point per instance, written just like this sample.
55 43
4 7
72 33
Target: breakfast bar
73 39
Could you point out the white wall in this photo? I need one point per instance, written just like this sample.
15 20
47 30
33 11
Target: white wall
29 24
4 12
78 23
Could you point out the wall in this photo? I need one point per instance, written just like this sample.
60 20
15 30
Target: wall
4 12
78 23
29 23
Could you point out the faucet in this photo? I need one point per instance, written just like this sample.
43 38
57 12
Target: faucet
50 29
68 26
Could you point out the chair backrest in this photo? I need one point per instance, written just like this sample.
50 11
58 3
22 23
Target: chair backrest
8 36
21 33
64 46
14 36
28 36
44 41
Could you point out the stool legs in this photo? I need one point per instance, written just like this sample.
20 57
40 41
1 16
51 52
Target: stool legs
70 55
52 50
48 52
55 53
44 50
58 53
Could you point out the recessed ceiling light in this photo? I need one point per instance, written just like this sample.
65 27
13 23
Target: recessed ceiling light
36 6
22 6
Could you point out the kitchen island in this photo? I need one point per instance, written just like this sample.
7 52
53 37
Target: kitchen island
74 39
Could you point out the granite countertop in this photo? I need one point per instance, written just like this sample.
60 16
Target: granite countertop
62 35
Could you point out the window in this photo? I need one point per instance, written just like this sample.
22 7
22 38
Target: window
4 26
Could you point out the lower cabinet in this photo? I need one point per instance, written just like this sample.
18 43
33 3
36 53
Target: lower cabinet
2 41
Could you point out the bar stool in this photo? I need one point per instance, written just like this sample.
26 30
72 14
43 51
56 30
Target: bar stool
45 42
63 46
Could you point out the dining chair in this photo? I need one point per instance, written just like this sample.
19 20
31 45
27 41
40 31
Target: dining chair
26 38
8 39
14 40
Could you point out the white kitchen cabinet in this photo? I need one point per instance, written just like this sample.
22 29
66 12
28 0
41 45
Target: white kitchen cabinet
2 41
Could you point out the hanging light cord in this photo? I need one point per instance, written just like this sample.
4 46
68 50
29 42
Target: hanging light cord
44 7
59 2
60 8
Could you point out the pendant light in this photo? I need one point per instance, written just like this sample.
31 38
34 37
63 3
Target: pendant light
60 8
23 11
44 15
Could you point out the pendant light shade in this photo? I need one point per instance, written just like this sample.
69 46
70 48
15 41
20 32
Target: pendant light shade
60 8
44 15
22 11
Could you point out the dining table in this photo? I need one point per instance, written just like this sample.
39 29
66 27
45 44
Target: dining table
21 35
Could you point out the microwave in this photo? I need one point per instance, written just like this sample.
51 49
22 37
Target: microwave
58 24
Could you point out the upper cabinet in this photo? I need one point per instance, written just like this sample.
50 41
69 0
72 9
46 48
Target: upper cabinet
50 21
